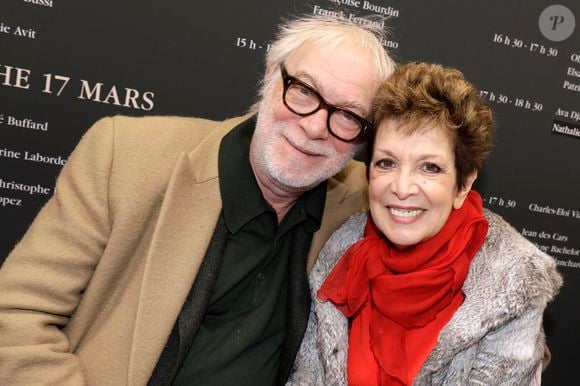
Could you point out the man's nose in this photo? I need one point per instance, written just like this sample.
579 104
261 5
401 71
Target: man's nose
316 125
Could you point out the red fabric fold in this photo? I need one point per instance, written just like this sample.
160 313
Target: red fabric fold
400 300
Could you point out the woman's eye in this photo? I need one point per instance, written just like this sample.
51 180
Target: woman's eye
431 167
384 163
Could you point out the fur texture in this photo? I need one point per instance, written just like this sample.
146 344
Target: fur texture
495 337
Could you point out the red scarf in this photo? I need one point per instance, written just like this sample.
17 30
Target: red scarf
400 300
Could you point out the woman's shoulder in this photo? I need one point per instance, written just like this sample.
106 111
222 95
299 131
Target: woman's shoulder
348 233
507 261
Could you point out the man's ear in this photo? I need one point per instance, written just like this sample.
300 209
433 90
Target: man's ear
462 194
268 72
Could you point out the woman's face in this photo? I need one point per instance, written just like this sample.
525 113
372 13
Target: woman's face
412 183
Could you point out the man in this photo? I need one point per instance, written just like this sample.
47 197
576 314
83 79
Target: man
175 250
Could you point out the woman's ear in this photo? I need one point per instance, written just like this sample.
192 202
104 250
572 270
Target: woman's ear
462 194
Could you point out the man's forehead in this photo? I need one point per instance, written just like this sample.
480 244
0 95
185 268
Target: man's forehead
332 72
318 52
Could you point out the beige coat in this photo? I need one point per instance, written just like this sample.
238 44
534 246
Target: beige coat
92 291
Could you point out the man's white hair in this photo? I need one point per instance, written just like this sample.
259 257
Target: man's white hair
325 31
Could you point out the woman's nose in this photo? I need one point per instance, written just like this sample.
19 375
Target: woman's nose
404 184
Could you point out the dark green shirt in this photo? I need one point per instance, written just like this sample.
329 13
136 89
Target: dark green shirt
240 339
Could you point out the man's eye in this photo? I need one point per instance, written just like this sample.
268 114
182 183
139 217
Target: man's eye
302 91
431 167
345 116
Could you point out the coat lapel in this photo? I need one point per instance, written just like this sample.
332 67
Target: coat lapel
298 302
344 198
187 219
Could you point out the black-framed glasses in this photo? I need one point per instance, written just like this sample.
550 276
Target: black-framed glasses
304 100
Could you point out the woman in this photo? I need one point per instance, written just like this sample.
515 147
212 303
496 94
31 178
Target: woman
430 288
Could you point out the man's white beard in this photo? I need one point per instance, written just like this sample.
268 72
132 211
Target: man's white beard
296 175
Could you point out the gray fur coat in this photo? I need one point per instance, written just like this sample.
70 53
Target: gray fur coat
494 338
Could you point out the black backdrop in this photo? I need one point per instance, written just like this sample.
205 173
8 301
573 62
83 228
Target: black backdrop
66 63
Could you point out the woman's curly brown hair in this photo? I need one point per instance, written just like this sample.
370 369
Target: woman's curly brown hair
421 96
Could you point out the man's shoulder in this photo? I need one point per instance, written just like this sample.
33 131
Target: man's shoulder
162 122
165 131
155 137
141 149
